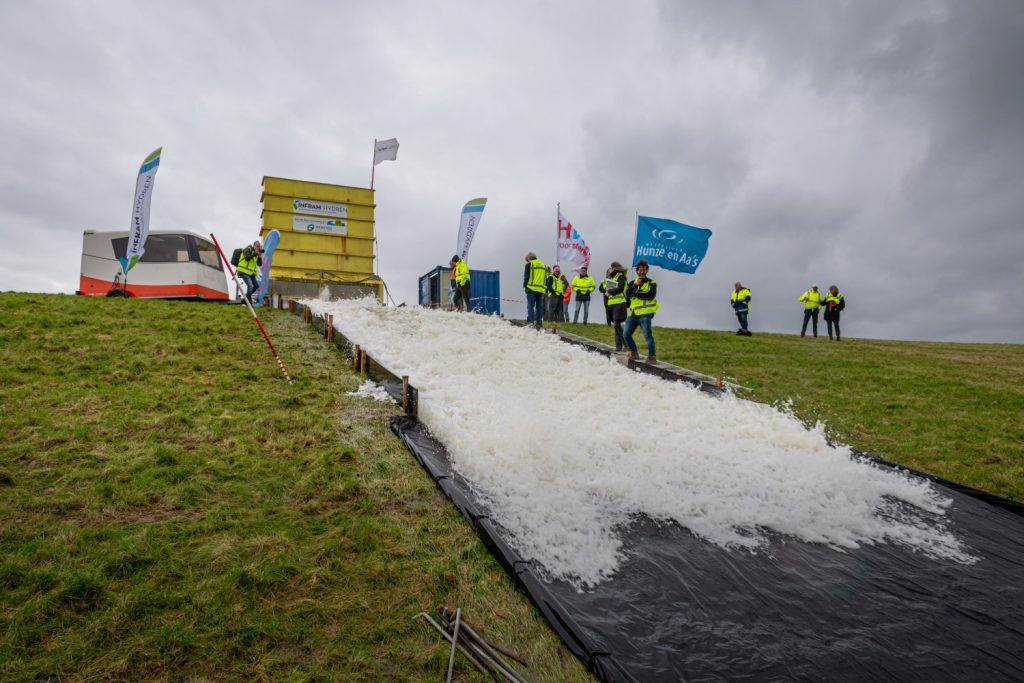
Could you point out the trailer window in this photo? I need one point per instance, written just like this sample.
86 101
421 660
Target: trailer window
158 249
207 254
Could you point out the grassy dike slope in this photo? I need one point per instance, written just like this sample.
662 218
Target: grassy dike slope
170 509
953 410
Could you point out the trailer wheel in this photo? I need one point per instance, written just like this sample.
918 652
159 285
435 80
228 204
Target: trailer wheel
117 294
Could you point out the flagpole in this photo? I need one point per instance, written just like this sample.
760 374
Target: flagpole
248 304
373 168
636 231
558 226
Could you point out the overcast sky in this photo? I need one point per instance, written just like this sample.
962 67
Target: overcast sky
878 146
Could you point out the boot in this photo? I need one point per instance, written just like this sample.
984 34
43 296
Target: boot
630 355
652 359
739 333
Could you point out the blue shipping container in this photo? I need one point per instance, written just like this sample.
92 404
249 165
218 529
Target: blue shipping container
484 289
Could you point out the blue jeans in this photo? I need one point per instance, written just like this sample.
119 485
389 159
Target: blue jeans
534 307
811 315
250 285
586 311
644 323
742 317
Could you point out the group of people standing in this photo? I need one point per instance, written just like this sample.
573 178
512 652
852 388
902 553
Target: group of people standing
833 303
628 305
813 302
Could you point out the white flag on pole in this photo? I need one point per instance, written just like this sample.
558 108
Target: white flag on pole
571 247
385 150
139 230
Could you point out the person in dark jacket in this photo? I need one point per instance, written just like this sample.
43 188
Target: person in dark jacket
614 288
741 304
556 294
834 303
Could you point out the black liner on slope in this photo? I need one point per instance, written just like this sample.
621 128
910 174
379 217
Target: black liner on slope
682 609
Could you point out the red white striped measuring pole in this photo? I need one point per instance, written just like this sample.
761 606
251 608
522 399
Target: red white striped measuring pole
251 309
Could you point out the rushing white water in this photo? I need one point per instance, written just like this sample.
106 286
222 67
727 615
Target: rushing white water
370 389
566 446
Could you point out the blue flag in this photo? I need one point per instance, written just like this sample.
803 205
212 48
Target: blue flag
669 244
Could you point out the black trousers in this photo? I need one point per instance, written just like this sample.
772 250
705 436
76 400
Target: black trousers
810 315
829 324
461 298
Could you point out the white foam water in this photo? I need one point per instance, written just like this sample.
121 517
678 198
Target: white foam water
566 447
370 389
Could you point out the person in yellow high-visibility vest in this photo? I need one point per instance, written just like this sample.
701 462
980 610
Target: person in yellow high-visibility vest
812 304
834 304
614 289
249 262
556 294
584 286
643 304
460 283
741 305
535 284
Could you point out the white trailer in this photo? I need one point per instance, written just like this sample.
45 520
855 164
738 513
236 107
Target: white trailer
177 264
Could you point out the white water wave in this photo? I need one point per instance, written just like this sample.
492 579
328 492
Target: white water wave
567 446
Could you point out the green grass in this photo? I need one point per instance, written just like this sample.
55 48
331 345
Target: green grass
171 509
953 410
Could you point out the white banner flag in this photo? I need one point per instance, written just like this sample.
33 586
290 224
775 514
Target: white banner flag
571 247
139 230
472 212
385 150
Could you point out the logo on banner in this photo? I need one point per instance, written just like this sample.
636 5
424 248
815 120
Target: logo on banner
317 208
332 226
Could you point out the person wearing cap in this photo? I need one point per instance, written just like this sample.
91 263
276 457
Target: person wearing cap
460 283
249 263
584 286
535 286
812 303
741 304
556 292
643 304
834 303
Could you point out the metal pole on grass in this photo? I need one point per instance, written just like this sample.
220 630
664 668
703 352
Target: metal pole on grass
252 310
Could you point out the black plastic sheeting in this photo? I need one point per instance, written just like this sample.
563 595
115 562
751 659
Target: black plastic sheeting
682 609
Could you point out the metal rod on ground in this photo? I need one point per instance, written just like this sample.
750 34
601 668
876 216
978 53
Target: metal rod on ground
455 640
487 646
486 651
252 310
480 667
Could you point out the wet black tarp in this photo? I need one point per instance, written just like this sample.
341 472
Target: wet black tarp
682 609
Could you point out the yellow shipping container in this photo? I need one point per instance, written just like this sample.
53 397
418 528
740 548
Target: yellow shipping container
316 253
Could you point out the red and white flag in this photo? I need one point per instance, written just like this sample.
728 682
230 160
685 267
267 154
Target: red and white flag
571 247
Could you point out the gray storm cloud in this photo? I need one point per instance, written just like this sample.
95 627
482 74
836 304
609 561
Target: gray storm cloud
875 145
